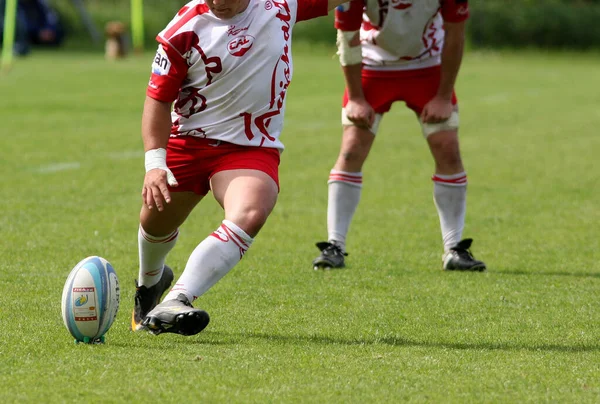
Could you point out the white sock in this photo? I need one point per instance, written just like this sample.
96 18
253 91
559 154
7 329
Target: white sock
344 194
153 251
211 260
450 198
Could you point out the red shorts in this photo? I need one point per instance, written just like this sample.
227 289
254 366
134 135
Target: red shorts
415 87
194 161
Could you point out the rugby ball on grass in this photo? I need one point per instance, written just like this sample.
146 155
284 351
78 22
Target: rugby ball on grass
90 299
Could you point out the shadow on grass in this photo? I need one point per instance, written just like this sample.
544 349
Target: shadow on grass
405 342
549 273
219 338
172 342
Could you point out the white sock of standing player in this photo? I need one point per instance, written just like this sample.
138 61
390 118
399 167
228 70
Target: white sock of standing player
343 198
450 198
152 253
211 260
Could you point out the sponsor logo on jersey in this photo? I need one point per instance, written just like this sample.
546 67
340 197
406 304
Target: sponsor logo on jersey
233 31
343 7
268 5
402 4
238 46
161 64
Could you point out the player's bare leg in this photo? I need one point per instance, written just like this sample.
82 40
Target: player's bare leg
449 195
159 223
248 197
345 186
157 236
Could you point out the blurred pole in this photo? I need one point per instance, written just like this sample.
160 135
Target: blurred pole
87 21
137 25
10 17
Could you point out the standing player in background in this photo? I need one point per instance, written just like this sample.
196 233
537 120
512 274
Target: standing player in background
400 50
226 65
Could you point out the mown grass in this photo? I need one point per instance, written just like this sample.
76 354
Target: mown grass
392 327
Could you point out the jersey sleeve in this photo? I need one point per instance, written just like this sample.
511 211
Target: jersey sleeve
348 16
169 70
455 10
308 9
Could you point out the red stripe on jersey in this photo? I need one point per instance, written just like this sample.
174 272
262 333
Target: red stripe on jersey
348 17
346 178
308 9
183 10
455 10
166 87
198 10
456 181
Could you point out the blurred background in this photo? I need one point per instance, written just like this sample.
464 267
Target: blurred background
548 24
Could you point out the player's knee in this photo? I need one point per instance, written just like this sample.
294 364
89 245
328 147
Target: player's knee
433 129
251 220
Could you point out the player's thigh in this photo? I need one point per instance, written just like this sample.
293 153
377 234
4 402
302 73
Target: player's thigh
171 217
248 197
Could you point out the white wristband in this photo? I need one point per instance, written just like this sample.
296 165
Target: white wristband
349 55
157 158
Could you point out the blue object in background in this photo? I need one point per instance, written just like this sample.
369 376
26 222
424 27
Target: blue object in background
37 23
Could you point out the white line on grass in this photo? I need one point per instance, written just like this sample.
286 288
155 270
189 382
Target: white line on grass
495 98
126 155
56 167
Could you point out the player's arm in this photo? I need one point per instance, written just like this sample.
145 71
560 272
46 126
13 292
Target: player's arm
169 69
455 14
308 9
156 128
331 4
452 54
440 107
348 19
350 54
358 110
156 124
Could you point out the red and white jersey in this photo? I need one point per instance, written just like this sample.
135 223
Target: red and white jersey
229 78
400 34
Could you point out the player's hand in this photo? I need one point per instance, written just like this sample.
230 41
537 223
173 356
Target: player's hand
155 191
437 110
360 113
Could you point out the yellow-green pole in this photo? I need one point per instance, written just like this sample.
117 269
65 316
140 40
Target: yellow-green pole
137 24
10 17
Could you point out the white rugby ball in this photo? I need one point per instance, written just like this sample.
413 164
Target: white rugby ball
90 299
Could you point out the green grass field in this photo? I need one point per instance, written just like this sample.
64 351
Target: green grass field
392 326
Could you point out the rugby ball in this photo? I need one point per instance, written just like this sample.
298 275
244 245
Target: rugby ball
90 299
